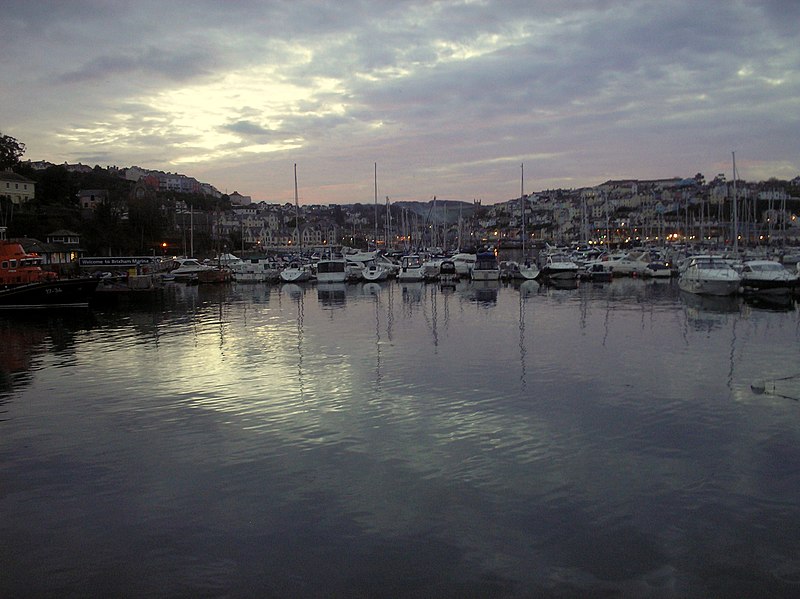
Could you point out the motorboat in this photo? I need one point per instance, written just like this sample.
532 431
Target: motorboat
256 270
709 275
657 270
559 266
411 268
356 263
632 263
430 267
486 267
464 263
767 276
597 272
187 269
25 285
215 275
374 272
511 269
528 271
332 269
391 265
447 273
295 272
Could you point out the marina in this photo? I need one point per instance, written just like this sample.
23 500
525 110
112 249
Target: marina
404 439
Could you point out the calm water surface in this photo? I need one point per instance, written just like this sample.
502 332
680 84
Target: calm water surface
387 440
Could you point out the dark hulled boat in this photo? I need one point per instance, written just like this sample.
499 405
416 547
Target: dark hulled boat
24 285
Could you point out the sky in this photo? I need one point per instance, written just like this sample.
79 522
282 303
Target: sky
451 99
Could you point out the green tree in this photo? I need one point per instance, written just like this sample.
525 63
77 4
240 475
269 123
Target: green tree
10 151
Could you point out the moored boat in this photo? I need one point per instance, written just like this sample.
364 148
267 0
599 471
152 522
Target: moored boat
559 266
374 272
187 269
24 285
657 270
464 262
214 275
257 270
767 276
332 268
709 275
597 272
411 268
295 273
486 267
447 273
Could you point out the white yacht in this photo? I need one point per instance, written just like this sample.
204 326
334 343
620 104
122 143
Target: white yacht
430 267
511 269
374 272
411 268
767 276
188 268
709 275
658 270
295 273
559 266
486 267
256 270
332 268
464 263
631 264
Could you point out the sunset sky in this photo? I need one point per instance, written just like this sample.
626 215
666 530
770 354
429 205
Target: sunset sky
448 98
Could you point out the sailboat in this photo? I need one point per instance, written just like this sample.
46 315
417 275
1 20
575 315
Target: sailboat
296 272
527 270
372 269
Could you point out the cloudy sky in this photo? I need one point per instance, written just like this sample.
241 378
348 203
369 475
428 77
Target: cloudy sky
449 98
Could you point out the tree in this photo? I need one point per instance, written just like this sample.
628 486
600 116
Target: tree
10 151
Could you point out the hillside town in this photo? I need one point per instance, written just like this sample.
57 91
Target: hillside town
136 211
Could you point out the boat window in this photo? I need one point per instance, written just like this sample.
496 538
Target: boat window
4 264
13 264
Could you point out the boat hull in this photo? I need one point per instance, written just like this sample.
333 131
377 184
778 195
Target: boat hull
294 276
375 274
719 287
67 293
486 275
777 285
556 273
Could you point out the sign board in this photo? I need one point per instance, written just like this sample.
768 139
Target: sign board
120 261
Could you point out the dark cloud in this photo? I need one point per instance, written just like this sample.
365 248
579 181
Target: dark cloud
248 129
458 90
173 65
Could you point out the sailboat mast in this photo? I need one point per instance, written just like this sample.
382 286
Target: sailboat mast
522 205
387 229
735 209
191 231
297 211
376 206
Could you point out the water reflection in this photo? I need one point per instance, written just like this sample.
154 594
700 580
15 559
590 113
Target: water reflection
778 302
411 291
485 292
247 438
709 312
24 337
561 283
332 295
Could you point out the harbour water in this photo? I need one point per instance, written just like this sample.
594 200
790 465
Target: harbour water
388 440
